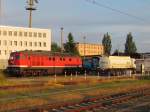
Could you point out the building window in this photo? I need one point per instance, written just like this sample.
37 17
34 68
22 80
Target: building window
44 44
20 43
15 33
40 44
30 34
44 35
15 43
39 35
10 43
0 52
35 34
0 42
35 43
25 34
30 43
5 52
0 32
20 33
4 33
25 43
10 33
5 42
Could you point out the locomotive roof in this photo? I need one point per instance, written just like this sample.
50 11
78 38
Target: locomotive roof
49 53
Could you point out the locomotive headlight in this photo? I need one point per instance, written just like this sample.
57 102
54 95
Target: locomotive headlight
11 58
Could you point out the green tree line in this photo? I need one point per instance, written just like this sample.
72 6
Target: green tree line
69 46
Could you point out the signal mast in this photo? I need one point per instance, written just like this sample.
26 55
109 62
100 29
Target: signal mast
31 8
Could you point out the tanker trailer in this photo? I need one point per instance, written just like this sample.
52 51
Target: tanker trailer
117 65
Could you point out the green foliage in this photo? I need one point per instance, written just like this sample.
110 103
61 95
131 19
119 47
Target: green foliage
55 47
107 44
69 46
130 47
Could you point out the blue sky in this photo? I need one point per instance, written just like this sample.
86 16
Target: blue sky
85 19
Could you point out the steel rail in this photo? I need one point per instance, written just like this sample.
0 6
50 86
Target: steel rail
91 103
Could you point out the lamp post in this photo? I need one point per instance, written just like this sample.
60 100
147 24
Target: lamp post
62 47
84 46
84 55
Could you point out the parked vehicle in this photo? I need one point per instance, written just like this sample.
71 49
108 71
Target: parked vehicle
42 62
45 62
117 65
91 64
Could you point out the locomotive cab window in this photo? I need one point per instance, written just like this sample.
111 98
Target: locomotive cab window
17 57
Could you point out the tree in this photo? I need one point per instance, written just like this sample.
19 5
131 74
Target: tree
69 46
55 47
118 53
107 44
130 47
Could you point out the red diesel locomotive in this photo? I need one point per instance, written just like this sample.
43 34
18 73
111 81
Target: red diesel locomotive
42 63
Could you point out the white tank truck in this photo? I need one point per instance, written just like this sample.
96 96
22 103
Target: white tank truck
117 65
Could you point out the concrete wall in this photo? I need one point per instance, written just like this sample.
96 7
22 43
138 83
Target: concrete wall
3 64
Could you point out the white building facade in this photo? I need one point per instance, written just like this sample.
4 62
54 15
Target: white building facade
19 38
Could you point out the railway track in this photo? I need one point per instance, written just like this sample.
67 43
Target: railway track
91 104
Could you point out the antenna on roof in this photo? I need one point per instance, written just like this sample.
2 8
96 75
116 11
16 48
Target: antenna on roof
31 8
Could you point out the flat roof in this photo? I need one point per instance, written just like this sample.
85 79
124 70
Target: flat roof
34 28
88 43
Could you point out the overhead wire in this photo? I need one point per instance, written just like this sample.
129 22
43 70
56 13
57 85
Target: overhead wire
115 10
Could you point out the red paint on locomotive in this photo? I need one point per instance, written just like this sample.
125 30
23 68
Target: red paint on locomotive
42 62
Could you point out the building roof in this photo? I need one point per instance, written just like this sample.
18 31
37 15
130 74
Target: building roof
89 43
27 28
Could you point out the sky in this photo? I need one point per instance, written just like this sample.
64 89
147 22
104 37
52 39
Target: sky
82 18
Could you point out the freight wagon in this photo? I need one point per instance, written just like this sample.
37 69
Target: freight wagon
116 65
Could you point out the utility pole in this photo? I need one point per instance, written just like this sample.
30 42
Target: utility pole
84 46
62 47
31 8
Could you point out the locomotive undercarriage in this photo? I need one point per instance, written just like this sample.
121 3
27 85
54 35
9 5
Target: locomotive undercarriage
117 72
18 71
